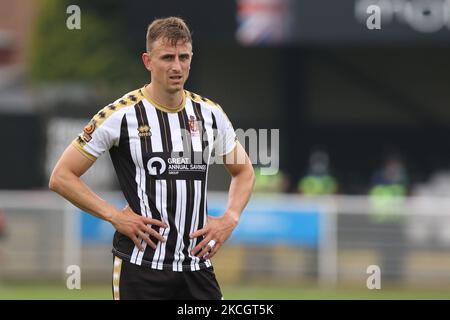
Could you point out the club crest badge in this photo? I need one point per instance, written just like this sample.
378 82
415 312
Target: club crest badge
194 125
89 130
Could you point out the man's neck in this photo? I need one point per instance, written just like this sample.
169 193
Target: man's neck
168 100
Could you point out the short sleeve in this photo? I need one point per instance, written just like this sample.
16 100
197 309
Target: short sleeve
98 136
226 137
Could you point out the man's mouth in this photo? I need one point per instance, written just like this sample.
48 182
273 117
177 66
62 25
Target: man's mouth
175 77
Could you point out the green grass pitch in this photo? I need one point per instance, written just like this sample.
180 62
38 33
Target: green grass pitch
58 291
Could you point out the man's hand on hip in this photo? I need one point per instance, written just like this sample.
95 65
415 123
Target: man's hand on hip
216 231
135 226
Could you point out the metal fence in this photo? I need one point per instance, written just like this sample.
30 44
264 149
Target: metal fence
281 238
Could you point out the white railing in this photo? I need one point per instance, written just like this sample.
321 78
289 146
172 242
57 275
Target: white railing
44 237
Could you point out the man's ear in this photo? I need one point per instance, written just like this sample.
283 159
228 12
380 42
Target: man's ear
147 61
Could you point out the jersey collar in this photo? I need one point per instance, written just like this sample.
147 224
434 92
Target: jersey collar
160 106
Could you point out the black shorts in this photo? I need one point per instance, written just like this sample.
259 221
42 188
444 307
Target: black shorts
133 282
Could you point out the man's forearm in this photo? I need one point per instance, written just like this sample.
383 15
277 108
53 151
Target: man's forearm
240 191
78 193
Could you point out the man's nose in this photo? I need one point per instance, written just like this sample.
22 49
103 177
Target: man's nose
176 65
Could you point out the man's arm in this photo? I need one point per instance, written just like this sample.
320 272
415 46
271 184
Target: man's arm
65 180
219 229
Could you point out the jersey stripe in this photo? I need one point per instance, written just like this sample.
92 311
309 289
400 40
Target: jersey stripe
180 206
152 142
161 206
185 133
211 136
154 124
146 147
171 192
157 189
206 116
138 148
185 224
175 131
125 167
196 139
180 216
165 130
194 220
116 278
172 195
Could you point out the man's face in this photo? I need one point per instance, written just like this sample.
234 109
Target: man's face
169 64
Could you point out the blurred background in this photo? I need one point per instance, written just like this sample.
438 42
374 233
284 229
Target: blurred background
363 123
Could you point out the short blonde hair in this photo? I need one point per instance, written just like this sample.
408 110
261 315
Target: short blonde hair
173 29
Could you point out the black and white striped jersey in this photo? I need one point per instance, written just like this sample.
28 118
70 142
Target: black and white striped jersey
161 158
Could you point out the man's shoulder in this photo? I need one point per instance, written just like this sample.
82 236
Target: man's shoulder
195 97
207 103
127 100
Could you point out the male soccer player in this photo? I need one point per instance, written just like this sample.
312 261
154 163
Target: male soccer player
161 139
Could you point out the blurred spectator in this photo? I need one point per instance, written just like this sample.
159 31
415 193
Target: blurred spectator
387 195
389 188
269 183
318 180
